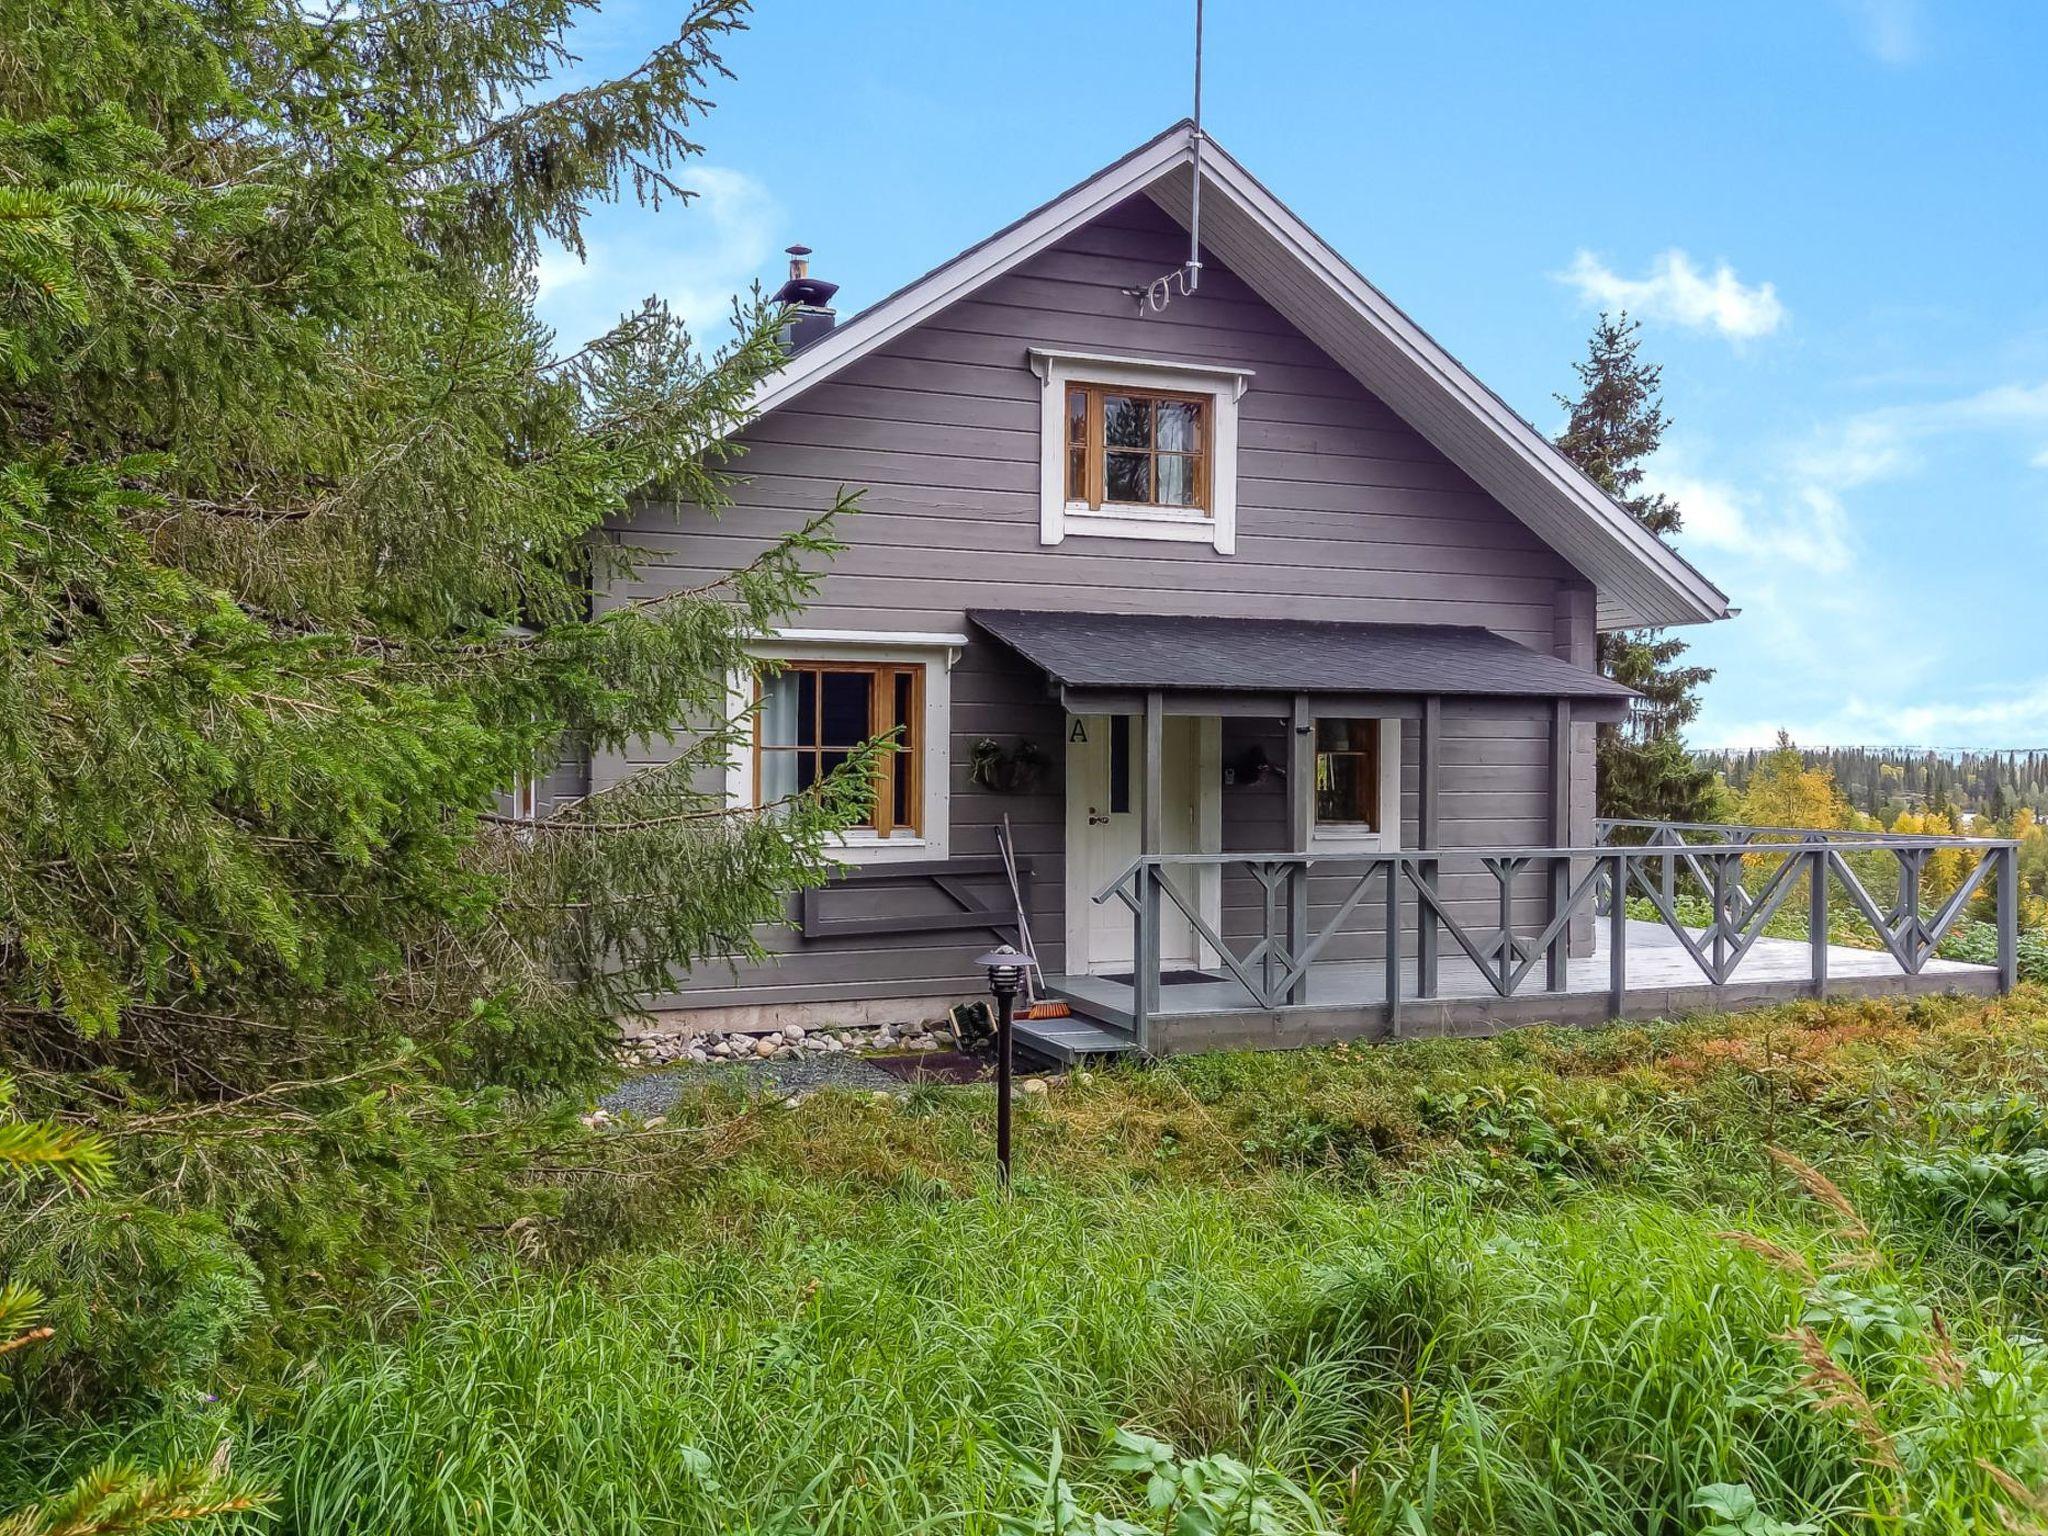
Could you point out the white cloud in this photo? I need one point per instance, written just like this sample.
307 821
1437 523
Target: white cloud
1885 443
1678 292
2010 716
697 256
1798 525
1855 656
1888 29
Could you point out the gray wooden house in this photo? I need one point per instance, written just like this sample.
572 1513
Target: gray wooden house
1266 627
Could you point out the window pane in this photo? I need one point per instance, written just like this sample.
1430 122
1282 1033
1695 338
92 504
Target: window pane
807 709
847 710
806 769
1176 479
778 775
906 690
1126 422
828 762
1077 415
1127 477
900 810
1077 475
1342 794
1180 426
780 709
1119 763
1343 735
1348 772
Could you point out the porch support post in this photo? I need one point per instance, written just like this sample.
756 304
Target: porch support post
1301 810
1560 869
1428 833
1151 841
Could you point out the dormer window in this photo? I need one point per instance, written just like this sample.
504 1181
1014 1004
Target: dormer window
1136 449
1139 449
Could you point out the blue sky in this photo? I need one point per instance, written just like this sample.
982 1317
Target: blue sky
1828 213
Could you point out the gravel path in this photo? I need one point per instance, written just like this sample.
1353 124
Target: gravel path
655 1093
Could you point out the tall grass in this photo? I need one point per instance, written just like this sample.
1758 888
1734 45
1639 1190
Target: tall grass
1443 1288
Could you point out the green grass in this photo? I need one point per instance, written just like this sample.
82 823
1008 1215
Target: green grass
1438 1287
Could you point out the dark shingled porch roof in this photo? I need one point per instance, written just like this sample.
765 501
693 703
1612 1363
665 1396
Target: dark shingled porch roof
1137 650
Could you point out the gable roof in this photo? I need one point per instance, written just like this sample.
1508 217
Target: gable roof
1640 580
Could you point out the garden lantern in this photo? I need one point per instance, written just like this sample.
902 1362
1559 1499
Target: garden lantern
1005 967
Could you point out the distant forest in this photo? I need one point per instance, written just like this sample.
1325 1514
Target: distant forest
1886 781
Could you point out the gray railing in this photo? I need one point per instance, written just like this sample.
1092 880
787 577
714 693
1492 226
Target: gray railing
1743 876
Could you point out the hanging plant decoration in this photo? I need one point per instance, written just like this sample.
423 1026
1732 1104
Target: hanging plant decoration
1006 771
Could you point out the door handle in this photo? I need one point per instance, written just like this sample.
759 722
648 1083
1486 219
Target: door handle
1097 818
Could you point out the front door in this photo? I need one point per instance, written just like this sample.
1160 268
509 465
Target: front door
1105 804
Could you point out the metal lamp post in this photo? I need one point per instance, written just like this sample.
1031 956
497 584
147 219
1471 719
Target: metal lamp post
1005 967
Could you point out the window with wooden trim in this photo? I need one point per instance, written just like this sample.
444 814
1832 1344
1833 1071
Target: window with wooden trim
815 715
1137 448
1348 775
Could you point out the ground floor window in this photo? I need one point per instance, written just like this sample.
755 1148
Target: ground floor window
1348 775
814 715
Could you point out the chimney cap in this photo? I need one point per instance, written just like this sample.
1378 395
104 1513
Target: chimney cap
803 290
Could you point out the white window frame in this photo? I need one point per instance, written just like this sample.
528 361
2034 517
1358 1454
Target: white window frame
936 653
1060 519
1355 837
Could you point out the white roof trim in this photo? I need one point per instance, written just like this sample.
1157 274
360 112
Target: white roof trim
1641 580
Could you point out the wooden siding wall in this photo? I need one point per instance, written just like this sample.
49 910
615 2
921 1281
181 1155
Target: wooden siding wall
1344 513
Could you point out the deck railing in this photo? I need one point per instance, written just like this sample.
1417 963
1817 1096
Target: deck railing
1740 877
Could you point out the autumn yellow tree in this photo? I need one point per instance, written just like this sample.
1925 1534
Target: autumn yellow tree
1784 792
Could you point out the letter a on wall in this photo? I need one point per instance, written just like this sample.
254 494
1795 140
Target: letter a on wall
1078 732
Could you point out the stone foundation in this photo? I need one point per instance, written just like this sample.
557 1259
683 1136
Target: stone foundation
772 1018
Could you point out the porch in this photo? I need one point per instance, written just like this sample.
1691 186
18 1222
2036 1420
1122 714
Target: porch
1870 911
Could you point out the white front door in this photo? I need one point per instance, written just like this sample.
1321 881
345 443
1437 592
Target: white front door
1105 803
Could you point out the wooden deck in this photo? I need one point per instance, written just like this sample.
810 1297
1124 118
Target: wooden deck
1347 1000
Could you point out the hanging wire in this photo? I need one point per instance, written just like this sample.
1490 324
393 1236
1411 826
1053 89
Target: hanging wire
1160 292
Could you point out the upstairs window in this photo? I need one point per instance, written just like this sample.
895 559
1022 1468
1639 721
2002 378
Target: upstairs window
1132 448
814 715
1137 448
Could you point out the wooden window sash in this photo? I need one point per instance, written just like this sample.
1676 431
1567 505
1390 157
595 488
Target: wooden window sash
905 758
1095 462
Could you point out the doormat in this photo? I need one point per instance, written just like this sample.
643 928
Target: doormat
1166 978
933 1067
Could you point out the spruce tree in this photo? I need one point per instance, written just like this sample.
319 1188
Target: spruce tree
299 510
1614 425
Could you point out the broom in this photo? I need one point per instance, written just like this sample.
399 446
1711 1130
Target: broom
1035 1007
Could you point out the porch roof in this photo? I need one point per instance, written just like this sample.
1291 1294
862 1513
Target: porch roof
1177 652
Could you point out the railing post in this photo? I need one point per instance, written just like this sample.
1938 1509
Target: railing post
1393 872
1269 953
2008 919
1145 983
1720 918
1617 940
1817 918
1558 966
1425 931
1297 928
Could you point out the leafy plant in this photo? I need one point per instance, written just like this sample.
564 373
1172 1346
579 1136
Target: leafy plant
1212 1495
1731 1509
1520 1132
